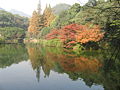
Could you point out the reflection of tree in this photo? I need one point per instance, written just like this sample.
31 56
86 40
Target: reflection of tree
111 69
79 64
86 66
80 67
36 60
11 54
39 60
49 59
38 73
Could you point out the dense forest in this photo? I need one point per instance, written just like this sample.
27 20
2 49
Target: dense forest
12 27
94 25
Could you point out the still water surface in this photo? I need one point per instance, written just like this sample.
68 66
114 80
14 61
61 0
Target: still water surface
33 67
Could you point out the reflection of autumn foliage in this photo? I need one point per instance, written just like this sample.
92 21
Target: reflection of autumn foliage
80 64
83 64
67 62
72 63
34 56
85 67
38 60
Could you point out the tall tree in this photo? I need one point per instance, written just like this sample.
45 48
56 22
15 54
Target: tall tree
35 25
48 16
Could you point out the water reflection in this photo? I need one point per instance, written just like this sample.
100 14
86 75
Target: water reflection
89 67
61 62
12 54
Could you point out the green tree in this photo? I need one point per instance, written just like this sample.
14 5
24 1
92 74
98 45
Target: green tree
66 17
10 20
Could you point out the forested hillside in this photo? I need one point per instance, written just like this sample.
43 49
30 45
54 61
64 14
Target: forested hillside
12 27
94 25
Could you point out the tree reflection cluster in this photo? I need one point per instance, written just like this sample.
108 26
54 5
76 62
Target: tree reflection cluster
12 54
89 65
93 67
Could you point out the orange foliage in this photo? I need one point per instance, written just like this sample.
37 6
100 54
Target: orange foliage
34 22
48 16
87 34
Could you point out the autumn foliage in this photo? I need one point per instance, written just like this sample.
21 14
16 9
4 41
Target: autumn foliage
38 21
87 34
53 35
34 24
74 33
68 33
48 16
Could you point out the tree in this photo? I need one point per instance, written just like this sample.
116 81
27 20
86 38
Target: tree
48 16
67 16
67 33
74 33
89 34
53 34
10 20
35 25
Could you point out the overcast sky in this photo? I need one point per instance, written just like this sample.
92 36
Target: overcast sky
27 6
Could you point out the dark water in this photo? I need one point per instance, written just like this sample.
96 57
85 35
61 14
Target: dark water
33 67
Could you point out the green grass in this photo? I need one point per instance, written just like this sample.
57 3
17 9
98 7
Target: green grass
52 43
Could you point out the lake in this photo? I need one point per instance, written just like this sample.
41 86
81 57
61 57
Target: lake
34 67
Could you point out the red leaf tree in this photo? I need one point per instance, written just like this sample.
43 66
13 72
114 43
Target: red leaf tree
53 34
68 33
73 33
